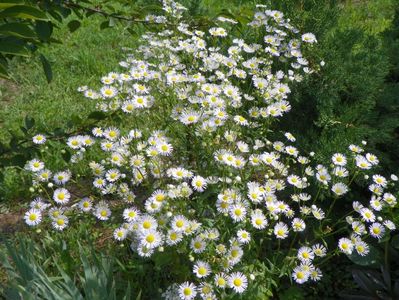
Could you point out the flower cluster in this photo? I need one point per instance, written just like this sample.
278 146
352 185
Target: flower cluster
190 163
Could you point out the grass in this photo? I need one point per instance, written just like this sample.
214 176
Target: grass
82 58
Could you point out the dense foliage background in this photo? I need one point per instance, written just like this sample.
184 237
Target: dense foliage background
354 98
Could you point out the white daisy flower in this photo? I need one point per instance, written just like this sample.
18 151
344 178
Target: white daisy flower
300 275
199 183
198 244
339 189
345 245
131 214
281 230
377 230
102 212
108 91
339 159
150 238
85 204
238 212
244 237
33 217
39 139
60 223
238 282
202 269
35 165
61 196
187 291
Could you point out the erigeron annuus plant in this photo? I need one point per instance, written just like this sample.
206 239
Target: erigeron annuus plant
187 161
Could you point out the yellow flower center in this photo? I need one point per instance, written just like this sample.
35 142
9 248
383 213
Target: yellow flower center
160 197
237 282
150 238
146 224
238 212
187 291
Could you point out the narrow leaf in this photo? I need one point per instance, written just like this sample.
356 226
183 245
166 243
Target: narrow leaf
23 12
73 25
44 30
13 49
18 30
46 68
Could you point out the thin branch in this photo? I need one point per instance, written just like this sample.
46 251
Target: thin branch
104 13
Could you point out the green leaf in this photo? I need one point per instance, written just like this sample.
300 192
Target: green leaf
46 68
372 259
138 295
104 25
3 71
18 30
17 160
29 122
23 12
73 25
13 49
292 293
66 156
10 3
44 30
395 241
112 22
97 115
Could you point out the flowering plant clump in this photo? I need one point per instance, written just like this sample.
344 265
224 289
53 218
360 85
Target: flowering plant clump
187 163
